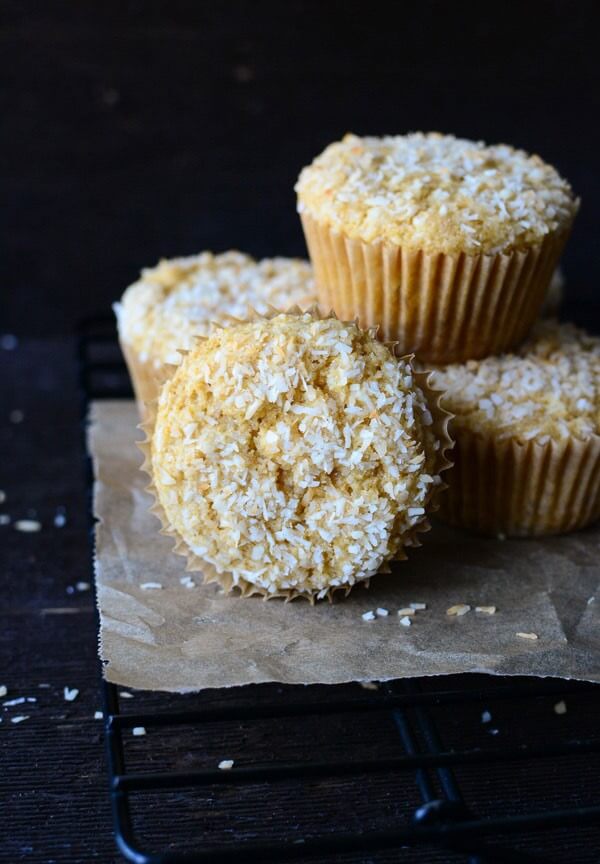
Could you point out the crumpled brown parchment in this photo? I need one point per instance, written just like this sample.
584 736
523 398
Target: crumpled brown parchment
183 639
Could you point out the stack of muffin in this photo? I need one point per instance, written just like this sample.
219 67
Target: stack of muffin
294 453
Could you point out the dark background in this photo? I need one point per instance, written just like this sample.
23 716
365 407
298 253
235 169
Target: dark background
135 130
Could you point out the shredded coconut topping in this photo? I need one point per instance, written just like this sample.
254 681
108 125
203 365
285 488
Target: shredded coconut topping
294 453
435 192
180 297
549 389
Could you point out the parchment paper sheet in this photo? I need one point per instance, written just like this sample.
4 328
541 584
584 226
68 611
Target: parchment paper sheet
182 639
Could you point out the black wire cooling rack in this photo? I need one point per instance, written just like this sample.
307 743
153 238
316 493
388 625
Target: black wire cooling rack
447 769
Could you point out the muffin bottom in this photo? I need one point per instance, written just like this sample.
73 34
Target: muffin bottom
504 487
444 308
145 378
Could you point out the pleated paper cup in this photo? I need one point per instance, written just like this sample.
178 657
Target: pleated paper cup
146 379
444 308
505 487
194 563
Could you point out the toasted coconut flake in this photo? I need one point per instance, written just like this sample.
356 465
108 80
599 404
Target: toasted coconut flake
548 389
160 315
293 456
458 610
531 636
435 192
487 610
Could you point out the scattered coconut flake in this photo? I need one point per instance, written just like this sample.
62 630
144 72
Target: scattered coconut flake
486 717
138 730
226 764
2 496
560 707
3 690
28 525
368 616
382 613
82 586
18 701
493 731
60 520
458 610
406 621
187 582
44 686
532 636
125 695
70 694
369 685
407 611
4 519
31 699
590 600
487 610
70 589
150 586
98 715
19 718
418 606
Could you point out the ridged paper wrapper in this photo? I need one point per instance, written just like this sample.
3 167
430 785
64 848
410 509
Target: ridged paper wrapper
441 419
443 308
146 379
505 487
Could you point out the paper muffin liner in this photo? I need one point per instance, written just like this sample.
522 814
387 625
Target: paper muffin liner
194 563
146 379
505 487
444 308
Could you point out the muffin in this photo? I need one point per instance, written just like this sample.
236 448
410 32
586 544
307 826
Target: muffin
447 244
527 432
293 456
176 300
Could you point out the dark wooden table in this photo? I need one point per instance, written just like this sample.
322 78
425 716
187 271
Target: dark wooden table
142 129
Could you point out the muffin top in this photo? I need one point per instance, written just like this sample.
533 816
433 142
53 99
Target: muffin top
295 454
549 389
435 192
180 297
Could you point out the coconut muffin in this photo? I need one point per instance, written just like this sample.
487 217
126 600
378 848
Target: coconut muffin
447 244
294 456
527 431
177 299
